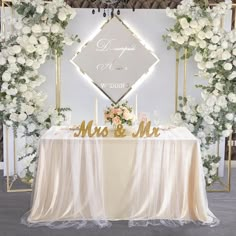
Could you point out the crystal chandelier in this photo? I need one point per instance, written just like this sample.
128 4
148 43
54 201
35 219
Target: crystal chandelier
109 6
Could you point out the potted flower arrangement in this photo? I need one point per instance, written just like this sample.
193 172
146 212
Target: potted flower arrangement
119 114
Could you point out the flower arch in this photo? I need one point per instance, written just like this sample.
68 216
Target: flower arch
39 34
198 32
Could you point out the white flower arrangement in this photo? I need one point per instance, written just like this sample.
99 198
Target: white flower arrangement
198 30
36 38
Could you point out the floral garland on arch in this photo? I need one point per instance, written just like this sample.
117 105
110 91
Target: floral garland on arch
39 34
198 31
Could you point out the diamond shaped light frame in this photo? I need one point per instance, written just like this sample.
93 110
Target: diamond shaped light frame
115 59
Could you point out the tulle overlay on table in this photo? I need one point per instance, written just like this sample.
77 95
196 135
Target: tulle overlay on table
89 182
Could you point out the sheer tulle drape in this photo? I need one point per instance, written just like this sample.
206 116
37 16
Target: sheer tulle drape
85 182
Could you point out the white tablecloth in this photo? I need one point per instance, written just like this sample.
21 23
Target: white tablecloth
119 178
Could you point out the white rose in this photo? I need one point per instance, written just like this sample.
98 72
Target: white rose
234 62
22 116
26 30
234 52
208 120
193 24
28 95
184 23
209 34
201 35
30 48
62 16
202 44
46 28
228 66
2 61
216 22
43 40
23 88
203 22
5 86
40 9
13 117
29 110
230 116
201 66
198 57
177 118
232 97
16 49
9 123
12 91
11 59
29 150
209 64
205 170
192 43
55 28
224 44
29 62
31 127
33 40
187 109
225 55
18 25
212 47
6 76
221 101
219 86
215 39
21 60
68 41
2 108
211 101
37 29
32 167
216 109
232 75
226 133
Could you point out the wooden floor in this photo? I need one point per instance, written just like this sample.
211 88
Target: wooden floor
14 205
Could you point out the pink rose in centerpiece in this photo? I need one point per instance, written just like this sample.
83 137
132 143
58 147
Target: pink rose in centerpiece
116 120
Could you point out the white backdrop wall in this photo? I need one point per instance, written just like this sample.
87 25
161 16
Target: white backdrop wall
157 91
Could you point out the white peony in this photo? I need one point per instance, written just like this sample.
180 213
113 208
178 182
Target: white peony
228 66
37 29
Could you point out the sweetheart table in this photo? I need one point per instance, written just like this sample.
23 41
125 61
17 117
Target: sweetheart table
109 179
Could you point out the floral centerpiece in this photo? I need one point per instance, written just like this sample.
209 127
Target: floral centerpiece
119 114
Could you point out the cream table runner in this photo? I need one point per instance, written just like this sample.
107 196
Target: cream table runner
119 178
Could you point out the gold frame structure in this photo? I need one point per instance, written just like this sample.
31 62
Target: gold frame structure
10 181
226 187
